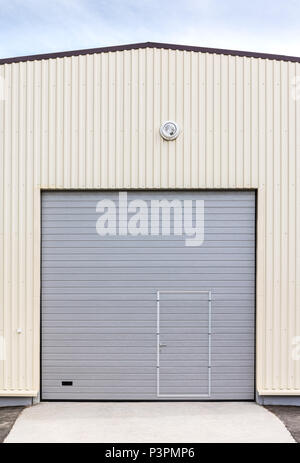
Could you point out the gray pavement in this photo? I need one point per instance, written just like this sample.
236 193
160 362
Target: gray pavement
8 415
290 416
143 422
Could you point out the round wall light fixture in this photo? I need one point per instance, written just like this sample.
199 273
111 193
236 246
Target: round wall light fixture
169 130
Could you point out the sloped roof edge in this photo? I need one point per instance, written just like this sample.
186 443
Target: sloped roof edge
136 46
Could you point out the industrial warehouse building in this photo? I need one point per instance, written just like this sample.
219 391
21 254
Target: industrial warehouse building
150 214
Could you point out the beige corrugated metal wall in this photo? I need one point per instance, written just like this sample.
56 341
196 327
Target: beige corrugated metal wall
93 122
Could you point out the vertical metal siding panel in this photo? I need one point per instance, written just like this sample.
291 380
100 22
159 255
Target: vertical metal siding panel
297 231
292 237
276 250
141 119
202 120
156 120
263 335
82 110
194 98
180 119
269 239
89 146
52 123
36 291
67 109
172 115
254 122
26 298
111 116
45 127
96 119
33 152
7 226
127 120
119 122
187 119
284 209
37 127
149 118
224 129
239 152
59 128
34 218
134 156
25 79
217 121
232 122
164 115
247 123
74 123
209 121
33 228
14 276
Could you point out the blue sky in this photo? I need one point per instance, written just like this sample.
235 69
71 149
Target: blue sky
44 26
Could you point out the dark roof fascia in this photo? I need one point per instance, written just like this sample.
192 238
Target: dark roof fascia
136 46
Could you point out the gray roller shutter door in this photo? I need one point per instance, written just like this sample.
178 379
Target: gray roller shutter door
100 314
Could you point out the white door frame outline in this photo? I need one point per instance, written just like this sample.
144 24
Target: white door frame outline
158 293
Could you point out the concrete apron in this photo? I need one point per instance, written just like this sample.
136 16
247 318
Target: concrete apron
142 422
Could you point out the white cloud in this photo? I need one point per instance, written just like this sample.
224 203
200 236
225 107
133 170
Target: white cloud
46 26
